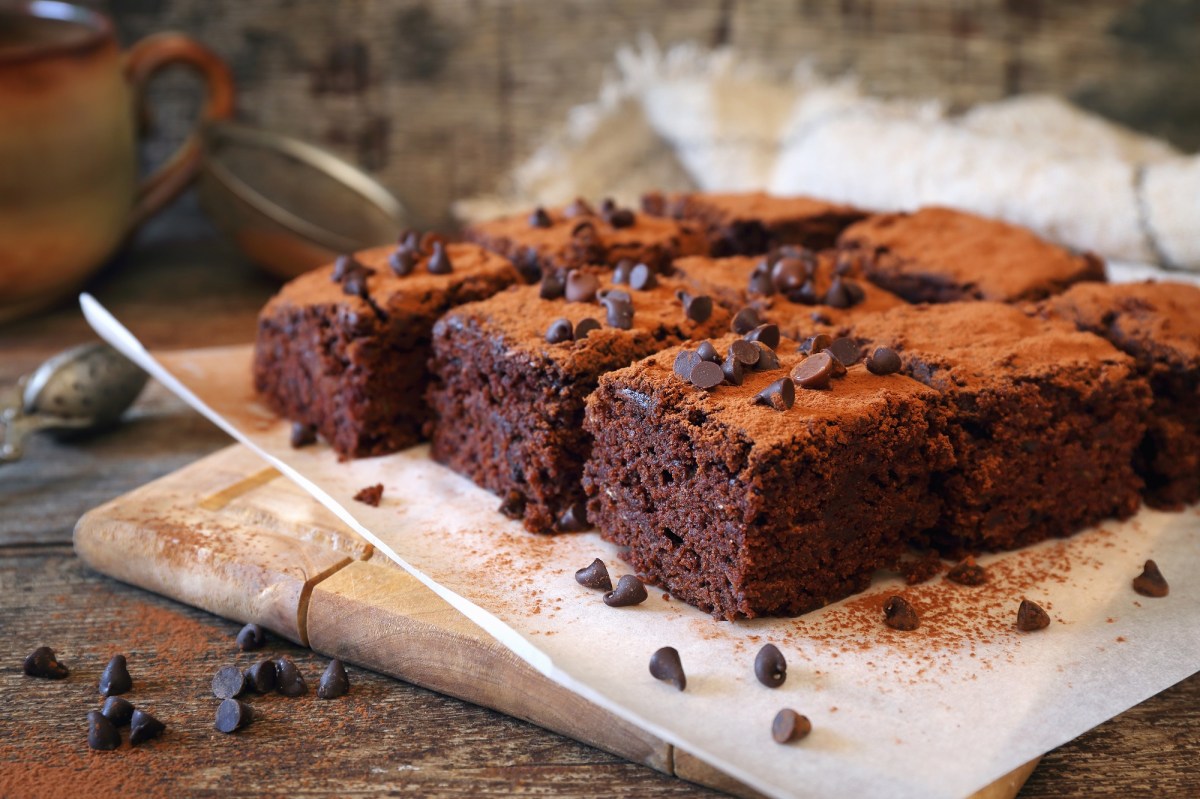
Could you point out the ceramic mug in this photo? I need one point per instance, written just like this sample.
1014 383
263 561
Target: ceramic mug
69 104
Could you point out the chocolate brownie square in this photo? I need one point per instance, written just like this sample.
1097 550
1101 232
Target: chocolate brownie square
511 375
1045 419
943 255
579 235
343 348
1158 324
750 223
743 509
801 291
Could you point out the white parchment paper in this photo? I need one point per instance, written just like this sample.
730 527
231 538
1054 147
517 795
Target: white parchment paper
938 712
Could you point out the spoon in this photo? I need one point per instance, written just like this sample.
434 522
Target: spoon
83 388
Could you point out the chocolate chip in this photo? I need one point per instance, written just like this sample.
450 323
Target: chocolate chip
629 591
745 351
288 679
815 344
620 218
642 278
439 262
767 334
1030 617
767 359
789 274
790 726
699 309
665 666
578 208
581 286
622 271
118 710
528 264
608 205
334 682
559 331
261 677
354 282
115 678
553 285
707 375
619 310
42 662
685 362
585 327
411 240
735 370
232 716
780 395
820 318
837 368
855 291
846 351
574 518
584 229
303 434
883 361
1151 582
144 727
814 372
837 296
900 615
708 352
594 575
251 637
101 735
402 261
745 320
968 572
805 295
539 218
770 667
343 265
760 281
228 682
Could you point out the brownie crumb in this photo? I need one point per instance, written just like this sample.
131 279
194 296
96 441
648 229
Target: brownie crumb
790 726
42 662
919 569
1151 582
666 666
371 495
1031 617
967 572
900 615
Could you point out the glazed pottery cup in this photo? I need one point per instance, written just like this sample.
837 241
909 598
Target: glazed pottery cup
69 105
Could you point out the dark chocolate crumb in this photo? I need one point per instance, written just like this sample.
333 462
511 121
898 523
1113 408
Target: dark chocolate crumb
118 710
101 734
666 666
559 331
115 678
251 637
780 395
968 572
144 727
228 682
334 682
1150 582
629 591
790 726
1031 617
770 667
900 615
594 575
371 495
883 361
232 716
585 327
42 662
814 372
303 434
539 218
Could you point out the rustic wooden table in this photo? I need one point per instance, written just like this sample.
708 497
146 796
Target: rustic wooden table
387 735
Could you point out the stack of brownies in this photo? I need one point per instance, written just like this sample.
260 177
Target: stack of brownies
761 399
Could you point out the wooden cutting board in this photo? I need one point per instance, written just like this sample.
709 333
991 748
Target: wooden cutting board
232 536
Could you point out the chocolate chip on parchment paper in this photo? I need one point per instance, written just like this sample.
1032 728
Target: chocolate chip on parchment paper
1030 617
288 679
42 662
900 615
144 727
251 637
967 572
770 667
228 682
594 575
102 735
666 666
115 678
629 591
232 716
1150 582
574 519
334 682
117 710
303 434
789 725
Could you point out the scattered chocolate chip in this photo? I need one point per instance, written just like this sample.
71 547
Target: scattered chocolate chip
42 662
837 296
745 351
584 327
553 286
228 682
699 309
707 375
790 726
770 667
629 591
410 239
622 271
1030 617
900 615
968 572
814 372
370 495
232 716
403 261
642 278
708 352
685 362
1151 582
251 637
855 291
574 518
288 679
883 361
815 344
559 331
789 274
343 265
621 218
578 208
303 434
260 678
735 370
581 286
767 334
846 351
115 678
837 368
101 735
334 682
744 321
118 710
619 309
528 264
767 359
760 281
439 262
665 666
780 395
594 575
144 727
539 218
805 295
354 282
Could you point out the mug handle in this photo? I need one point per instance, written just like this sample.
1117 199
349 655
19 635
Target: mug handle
144 60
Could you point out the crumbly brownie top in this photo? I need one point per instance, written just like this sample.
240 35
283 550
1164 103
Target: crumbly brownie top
977 344
579 234
963 256
723 209
852 402
368 285
1152 321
